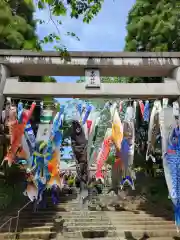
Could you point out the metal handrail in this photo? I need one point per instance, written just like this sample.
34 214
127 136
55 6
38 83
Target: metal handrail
17 221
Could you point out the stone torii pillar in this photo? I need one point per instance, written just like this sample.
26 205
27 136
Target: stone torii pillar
176 75
4 74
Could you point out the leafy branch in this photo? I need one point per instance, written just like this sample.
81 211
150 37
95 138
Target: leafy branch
86 9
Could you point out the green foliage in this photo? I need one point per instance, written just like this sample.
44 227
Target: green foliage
104 80
17 29
17 26
11 186
153 26
86 9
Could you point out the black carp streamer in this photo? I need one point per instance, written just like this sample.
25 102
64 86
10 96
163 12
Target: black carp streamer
79 147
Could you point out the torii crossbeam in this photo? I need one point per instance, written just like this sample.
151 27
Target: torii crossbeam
93 65
13 88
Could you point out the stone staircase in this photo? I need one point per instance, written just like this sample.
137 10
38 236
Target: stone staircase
70 221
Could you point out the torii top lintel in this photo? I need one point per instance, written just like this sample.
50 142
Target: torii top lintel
28 63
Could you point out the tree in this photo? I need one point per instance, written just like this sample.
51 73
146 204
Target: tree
153 26
17 27
104 80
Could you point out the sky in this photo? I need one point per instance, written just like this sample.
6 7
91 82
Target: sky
106 32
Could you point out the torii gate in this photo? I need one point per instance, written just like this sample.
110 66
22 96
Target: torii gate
15 63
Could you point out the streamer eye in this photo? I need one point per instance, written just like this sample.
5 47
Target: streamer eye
174 139
19 150
45 132
78 130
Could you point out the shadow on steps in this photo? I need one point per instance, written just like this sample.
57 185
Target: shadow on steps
128 235
151 196
94 234
43 221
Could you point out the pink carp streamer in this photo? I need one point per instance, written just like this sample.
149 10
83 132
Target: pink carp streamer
141 105
27 113
102 156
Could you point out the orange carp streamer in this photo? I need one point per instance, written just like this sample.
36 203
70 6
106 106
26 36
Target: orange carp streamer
53 168
117 135
117 127
17 131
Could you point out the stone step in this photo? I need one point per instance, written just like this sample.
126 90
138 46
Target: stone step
125 233
116 218
127 219
104 238
116 215
142 222
95 228
78 206
151 233
89 215
137 231
51 220
88 222
64 208
43 228
108 238
80 223
142 227
34 224
93 224
69 229
90 234
30 235
122 238
109 213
